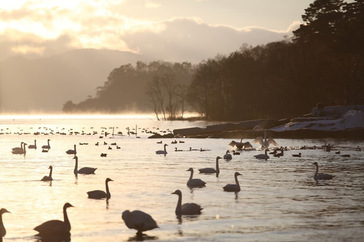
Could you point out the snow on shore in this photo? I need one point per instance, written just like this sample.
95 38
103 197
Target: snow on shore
338 119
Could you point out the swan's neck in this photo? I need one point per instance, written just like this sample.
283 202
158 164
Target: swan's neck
191 175
107 189
74 147
2 228
66 220
179 204
50 172
76 165
316 170
217 165
236 181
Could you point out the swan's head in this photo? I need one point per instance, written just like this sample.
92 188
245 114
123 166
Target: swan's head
4 210
218 157
75 157
178 192
50 167
67 205
108 179
237 174
315 163
125 214
190 169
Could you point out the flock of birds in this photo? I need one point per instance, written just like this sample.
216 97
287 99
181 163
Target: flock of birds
140 220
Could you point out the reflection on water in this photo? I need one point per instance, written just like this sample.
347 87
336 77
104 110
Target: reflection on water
279 200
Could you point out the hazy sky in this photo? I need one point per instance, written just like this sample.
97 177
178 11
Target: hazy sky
164 27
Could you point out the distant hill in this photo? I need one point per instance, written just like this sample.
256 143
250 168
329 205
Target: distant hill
27 84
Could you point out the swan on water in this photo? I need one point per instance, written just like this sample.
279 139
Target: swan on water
56 229
2 227
233 187
72 152
193 183
139 221
33 146
321 176
227 155
47 146
264 143
48 178
98 194
83 170
212 170
264 156
162 152
187 208
241 145
20 150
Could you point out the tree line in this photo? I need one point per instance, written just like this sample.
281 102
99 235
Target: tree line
321 63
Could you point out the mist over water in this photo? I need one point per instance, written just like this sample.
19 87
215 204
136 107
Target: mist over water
279 199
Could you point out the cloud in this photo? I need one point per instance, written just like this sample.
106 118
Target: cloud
42 29
183 39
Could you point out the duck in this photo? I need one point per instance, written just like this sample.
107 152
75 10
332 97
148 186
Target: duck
72 152
47 146
162 152
48 178
139 221
227 155
103 155
187 208
264 156
98 194
321 176
194 183
212 170
297 155
83 170
56 229
33 146
2 227
233 187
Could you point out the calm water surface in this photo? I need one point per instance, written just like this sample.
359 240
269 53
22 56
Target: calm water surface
278 201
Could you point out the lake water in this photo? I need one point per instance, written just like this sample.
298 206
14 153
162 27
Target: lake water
279 199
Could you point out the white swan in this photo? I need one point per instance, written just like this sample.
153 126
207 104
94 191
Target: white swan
193 183
264 156
187 208
233 187
138 220
162 152
212 170
20 151
72 152
2 228
49 177
227 155
47 146
241 145
98 194
83 170
264 143
321 176
33 146
56 229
